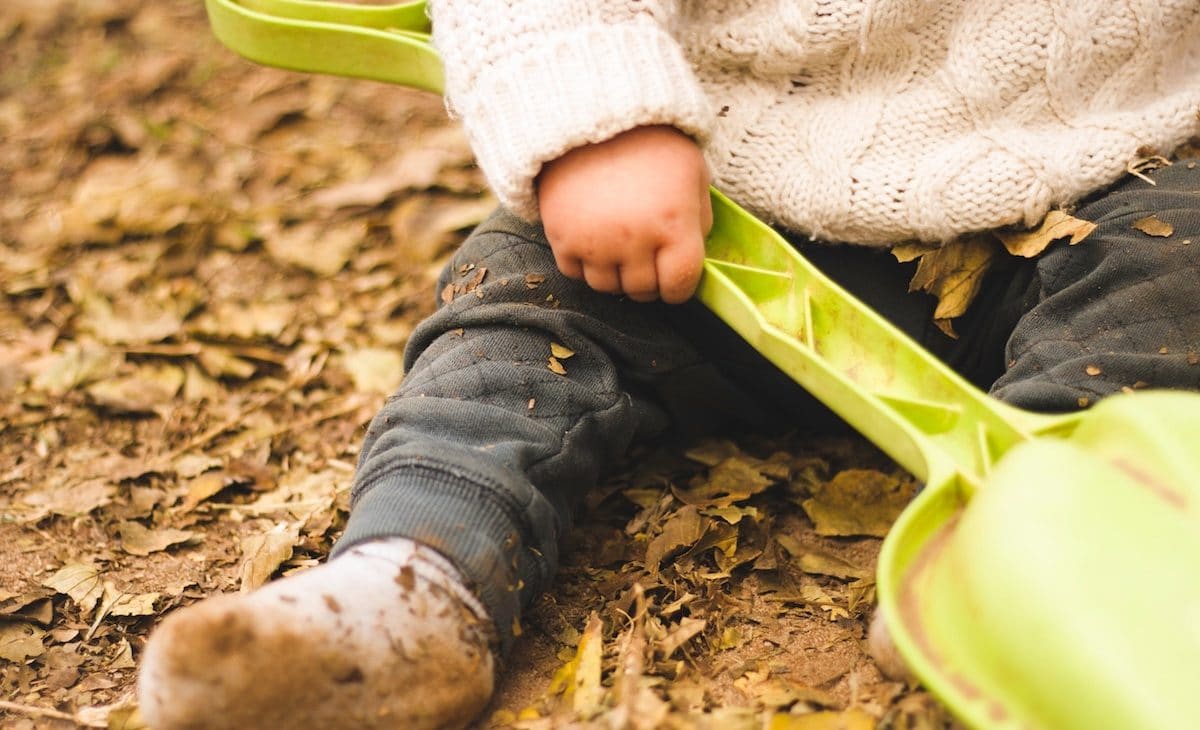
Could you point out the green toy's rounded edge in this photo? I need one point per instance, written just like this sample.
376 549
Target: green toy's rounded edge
402 57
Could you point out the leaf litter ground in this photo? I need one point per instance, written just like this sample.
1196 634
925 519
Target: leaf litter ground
209 270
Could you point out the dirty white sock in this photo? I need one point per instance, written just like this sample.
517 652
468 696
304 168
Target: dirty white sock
384 636
883 650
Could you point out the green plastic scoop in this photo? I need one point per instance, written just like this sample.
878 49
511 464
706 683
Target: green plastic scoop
1048 575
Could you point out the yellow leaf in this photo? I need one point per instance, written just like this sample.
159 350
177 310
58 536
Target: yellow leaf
588 697
1056 226
555 366
1152 226
911 251
858 502
954 274
561 351
849 720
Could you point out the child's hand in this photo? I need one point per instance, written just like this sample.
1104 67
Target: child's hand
629 215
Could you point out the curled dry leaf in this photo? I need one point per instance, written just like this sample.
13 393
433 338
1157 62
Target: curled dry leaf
20 641
954 274
1056 226
263 554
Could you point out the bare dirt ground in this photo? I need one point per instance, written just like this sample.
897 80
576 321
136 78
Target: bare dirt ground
208 271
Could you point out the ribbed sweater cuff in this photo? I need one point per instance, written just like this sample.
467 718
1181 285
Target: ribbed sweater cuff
468 521
575 88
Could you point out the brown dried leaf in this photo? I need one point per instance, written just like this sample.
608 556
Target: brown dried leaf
131 321
1056 226
682 530
682 633
35 606
321 250
119 603
73 366
858 502
69 499
262 554
150 389
912 250
80 581
817 562
202 487
954 274
374 369
20 641
137 539
733 480
1151 225
121 195
424 226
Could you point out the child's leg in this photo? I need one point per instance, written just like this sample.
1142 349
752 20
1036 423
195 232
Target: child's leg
1120 309
519 390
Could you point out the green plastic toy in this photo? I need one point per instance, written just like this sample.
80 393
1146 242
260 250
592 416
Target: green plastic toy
1048 575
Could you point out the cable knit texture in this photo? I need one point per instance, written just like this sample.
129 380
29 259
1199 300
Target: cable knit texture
868 121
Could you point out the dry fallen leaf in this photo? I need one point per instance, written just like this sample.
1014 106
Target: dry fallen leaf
150 389
588 698
733 480
1056 226
374 369
69 499
119 603
682 530
20 641
562 352
80 581
262 554
954 274
1151 225
137 539
319 249
555 366
858 502
854 719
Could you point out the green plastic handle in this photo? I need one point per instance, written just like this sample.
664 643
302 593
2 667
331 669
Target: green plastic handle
387 43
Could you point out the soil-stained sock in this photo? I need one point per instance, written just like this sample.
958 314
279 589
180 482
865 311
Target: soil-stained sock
385 636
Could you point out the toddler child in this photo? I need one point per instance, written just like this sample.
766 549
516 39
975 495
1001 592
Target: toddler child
599 124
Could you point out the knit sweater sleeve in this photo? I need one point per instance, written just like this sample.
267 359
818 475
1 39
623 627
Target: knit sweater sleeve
532 79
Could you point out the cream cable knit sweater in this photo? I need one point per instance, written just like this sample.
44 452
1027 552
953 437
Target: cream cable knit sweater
866 121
